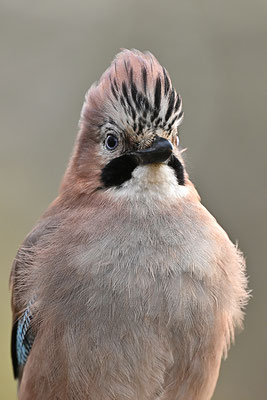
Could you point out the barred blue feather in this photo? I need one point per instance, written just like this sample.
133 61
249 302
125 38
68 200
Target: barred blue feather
24 336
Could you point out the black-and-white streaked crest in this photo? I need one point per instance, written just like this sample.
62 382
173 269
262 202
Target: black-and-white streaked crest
135 93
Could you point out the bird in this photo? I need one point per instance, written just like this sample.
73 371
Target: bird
127 288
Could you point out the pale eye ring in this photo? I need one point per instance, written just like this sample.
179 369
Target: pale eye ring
111 142
177 141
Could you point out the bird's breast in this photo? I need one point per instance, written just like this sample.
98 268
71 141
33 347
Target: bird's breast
140 263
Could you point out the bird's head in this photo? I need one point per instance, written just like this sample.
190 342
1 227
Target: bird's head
129 123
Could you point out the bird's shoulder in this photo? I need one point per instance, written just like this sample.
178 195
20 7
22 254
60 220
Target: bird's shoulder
25 257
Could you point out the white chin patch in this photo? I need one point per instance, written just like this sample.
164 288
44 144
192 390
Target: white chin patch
157 181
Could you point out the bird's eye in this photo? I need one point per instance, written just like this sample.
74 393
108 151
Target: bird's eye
111 142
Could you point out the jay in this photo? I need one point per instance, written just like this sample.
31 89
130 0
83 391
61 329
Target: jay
126 288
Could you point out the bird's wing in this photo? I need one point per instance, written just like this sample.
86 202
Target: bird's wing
22 336
22 339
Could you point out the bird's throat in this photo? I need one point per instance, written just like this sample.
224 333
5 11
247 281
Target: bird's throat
120 170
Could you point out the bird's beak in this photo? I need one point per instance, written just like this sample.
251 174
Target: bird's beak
158 152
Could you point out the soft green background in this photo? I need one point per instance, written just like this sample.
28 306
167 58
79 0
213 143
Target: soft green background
216 53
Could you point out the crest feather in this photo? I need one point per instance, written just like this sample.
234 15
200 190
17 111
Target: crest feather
136 93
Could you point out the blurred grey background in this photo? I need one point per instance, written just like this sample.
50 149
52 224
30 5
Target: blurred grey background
216 54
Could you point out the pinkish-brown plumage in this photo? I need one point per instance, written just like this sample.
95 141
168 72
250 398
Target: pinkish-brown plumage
137 290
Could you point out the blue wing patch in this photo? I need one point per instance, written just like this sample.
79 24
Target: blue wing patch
22 339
